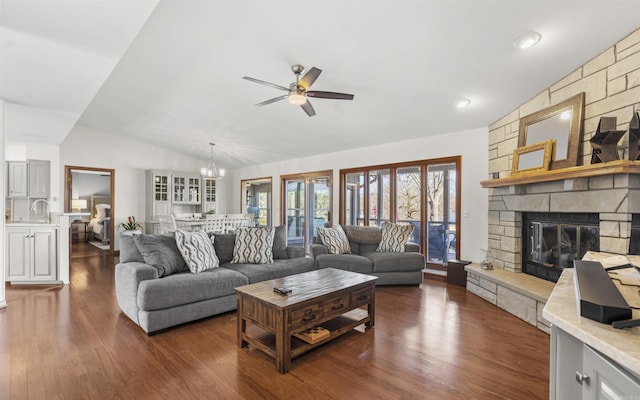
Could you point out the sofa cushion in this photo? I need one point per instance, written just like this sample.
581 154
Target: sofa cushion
223 243
346 262
394 237
253 246
185 288
161 252
280 243
128 250
363 234
395 262
279 268
197 250
334 239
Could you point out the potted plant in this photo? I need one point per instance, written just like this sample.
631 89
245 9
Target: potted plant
131 227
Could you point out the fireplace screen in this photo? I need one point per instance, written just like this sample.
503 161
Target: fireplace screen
553 241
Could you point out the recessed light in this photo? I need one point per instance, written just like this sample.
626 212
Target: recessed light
527 40
462 103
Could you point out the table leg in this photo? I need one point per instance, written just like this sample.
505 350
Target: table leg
371 309
283 344
242 323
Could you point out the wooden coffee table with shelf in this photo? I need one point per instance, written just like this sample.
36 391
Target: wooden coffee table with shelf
330 298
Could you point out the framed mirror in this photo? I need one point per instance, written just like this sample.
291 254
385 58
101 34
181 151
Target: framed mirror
255 195
562 123
534 158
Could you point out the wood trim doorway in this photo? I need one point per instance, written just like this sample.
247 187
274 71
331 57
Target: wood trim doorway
112 189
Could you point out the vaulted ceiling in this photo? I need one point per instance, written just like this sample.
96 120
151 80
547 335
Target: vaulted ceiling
169 72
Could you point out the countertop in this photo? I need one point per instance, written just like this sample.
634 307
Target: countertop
621 345
31 224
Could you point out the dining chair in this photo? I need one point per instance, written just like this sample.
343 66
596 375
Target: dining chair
167 224
214 223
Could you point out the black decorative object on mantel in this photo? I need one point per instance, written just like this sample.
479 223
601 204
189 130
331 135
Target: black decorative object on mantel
634 137
605 141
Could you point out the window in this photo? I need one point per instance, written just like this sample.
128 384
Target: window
420 193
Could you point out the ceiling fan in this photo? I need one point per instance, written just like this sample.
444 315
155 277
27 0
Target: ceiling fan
298 90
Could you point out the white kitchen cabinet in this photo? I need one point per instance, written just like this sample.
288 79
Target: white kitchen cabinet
208 195
18 179
39 178
31 254
580 372
29 179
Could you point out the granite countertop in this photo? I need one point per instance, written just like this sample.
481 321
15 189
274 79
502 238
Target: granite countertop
621 345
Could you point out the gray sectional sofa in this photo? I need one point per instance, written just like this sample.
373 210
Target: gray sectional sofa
391 268
166 294
160 292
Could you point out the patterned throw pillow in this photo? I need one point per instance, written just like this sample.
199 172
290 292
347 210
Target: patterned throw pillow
197 250
394 237
253 246
335 240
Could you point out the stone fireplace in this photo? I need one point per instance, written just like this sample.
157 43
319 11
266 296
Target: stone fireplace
612 199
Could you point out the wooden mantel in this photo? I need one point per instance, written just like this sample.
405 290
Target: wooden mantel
583 171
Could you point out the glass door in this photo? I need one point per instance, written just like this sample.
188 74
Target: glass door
307 207
442 210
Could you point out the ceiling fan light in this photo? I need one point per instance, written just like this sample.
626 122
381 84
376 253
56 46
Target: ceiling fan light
297 99
527 40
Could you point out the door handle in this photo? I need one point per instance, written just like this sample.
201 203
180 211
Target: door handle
582 378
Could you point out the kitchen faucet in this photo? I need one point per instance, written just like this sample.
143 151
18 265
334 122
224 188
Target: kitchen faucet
34 208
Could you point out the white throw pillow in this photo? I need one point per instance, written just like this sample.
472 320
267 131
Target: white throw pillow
253 246
394 237
335 240
197 250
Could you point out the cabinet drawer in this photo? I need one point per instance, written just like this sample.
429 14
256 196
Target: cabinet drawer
362 296
336 305
306 316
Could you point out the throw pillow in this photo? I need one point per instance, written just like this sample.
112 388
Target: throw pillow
253 246
394 237
160 251
335 240
197 250
280 243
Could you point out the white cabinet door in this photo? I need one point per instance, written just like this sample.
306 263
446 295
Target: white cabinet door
17 179
44 251
606 381
39 172
17 254
31 254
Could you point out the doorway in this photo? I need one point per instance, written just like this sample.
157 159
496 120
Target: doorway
306 206
91 191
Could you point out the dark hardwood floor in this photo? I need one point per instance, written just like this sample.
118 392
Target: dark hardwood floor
430 342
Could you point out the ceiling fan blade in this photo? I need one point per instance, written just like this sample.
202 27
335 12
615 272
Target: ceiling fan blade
273 85
308 108
330 95
307 80
264 103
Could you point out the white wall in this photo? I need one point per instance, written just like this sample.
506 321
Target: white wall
3 302
87 147
87 184
471 145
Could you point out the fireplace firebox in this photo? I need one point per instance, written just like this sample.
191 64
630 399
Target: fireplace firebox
551 241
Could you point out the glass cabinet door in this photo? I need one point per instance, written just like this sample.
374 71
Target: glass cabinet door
179 187
161 188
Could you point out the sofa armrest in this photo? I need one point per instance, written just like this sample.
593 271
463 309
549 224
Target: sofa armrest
295 252
128 278
412 247
317 249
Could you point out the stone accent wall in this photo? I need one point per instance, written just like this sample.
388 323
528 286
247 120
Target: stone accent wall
611 82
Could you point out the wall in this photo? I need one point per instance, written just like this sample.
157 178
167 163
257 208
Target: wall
87 147
466 144
3 302
86 184
611 82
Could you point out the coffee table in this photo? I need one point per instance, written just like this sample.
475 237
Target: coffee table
330 298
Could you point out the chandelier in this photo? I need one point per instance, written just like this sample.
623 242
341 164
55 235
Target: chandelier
211 171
